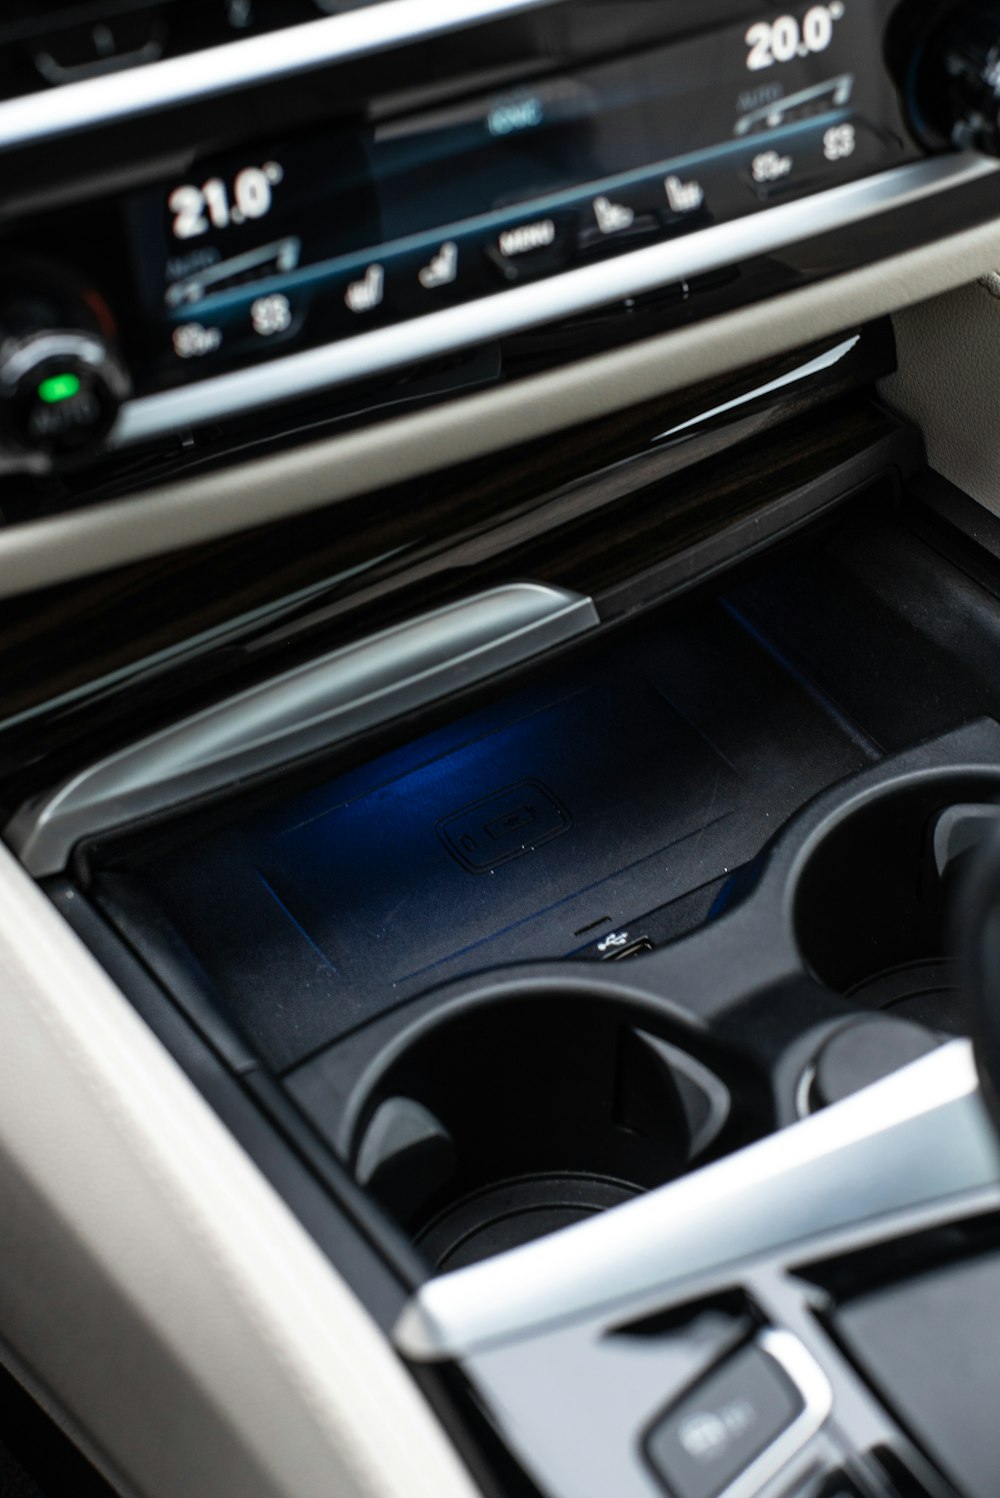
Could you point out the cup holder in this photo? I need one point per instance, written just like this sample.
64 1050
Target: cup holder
516 1115
872 903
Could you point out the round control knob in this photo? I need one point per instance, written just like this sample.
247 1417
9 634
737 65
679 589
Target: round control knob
954 83
59 393
62 380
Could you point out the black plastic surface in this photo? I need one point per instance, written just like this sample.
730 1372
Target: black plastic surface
976 921
505 1106
37 1460
863 1053
929 1345
871 900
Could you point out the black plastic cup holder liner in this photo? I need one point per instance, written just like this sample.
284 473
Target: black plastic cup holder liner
512 1213
509 1118
872 901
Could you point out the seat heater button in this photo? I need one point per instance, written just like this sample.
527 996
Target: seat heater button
714 1434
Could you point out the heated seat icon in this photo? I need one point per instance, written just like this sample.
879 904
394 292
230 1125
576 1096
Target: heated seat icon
504 826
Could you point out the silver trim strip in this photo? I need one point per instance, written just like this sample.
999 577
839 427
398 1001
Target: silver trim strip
798 376
239 64
917 1138
544 301
310 708
817 1398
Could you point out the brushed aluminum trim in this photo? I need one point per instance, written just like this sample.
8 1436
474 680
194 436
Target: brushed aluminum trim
305 710
817 1401
918 1138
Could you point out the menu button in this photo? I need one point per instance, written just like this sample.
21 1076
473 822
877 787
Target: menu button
536 247
527 238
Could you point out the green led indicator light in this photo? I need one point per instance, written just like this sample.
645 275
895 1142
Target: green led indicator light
56 388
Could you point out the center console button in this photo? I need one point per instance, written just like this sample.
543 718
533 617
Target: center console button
808 160
533 246
621 218
367 293
685 195
716 1432
439 273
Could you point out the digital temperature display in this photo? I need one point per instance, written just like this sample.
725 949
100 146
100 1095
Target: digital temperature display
786 38
217 205
300 243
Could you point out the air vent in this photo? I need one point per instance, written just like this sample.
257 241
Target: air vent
45 46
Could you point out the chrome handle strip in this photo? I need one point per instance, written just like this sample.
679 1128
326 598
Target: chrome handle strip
807 371
817 1400
240 64
544 301
916 1139
305 710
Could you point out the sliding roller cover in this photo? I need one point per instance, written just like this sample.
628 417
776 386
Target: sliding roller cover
311 708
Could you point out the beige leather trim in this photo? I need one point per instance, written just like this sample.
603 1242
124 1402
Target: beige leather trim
152 1280
255 493
949 383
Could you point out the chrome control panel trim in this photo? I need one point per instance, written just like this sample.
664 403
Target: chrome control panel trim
313 707
916 1139
240 64
817 1401
544 301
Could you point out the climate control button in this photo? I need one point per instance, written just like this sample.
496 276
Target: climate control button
62 380
952 77
59 392
533 247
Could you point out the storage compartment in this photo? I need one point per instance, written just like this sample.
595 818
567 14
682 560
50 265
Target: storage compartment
412 947
613 795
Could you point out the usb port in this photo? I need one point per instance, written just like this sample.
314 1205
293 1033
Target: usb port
634 949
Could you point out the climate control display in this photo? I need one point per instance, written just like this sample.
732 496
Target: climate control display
297 243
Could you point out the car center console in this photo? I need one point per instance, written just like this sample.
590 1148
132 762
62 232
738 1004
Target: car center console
569 872
616 1010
